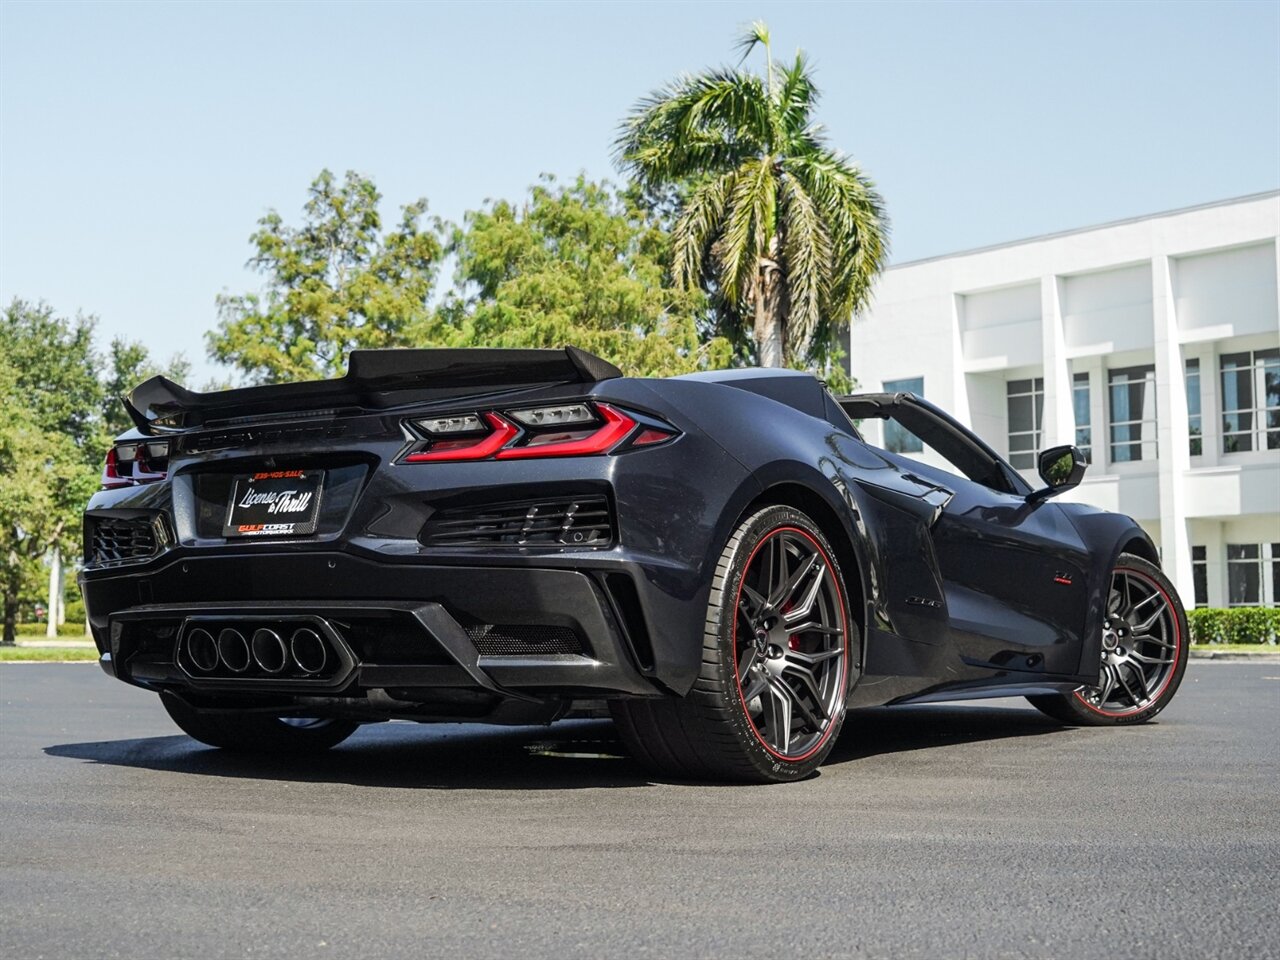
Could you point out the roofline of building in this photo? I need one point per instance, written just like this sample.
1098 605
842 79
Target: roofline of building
1264 195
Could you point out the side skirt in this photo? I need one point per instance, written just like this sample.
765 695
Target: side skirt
988 692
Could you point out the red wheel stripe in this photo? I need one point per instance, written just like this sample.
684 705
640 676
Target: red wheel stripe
844 631
1177 653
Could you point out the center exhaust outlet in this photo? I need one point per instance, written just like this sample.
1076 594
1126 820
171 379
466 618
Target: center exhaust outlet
308 650
233 648
269 651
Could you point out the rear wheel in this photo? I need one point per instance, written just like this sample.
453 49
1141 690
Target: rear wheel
1144 652
257 733
770 697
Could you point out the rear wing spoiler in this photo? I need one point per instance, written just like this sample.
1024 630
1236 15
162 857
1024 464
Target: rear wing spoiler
375 379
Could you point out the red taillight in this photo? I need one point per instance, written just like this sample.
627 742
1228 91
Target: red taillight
111 472
576 429
137 462
649 436
603 438
470 449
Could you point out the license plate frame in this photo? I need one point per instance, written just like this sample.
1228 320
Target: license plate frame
274 503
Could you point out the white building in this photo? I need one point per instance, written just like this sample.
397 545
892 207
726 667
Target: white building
1152 343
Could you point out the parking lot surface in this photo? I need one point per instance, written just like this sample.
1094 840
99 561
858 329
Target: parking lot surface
980 829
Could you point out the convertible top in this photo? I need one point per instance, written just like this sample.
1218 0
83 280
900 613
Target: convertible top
967 451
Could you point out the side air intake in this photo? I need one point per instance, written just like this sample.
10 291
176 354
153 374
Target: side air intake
114 539
566 522
523 639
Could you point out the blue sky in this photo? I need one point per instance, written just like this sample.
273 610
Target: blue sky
139 144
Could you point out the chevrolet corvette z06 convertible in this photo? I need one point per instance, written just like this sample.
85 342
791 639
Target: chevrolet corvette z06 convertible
513 536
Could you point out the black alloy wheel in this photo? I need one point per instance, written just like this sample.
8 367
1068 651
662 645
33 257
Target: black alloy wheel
789 643
1143 651
776 664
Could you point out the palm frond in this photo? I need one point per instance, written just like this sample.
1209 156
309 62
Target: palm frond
755 34
807 253
854 212
698 124
697 226
747 214
797 98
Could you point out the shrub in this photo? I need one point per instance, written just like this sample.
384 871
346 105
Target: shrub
36 631
1235 625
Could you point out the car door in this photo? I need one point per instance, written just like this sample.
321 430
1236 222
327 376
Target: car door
1012 570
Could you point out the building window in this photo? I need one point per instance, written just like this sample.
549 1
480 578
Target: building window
1026 413
1133 414
1200 575
897 438
1253 574
1084 427
1193 408
1251 401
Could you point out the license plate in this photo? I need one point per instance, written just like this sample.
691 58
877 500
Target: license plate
274 503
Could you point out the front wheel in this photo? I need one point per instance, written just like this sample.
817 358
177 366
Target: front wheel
257 733
776 659
1144 652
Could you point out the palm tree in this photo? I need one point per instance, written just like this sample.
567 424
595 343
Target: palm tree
782 227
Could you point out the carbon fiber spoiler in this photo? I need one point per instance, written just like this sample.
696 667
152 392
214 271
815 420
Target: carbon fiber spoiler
375 379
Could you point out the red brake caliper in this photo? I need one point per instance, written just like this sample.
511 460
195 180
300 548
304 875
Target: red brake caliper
793 641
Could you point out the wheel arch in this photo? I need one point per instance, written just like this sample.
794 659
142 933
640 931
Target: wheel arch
1107 536
805 498
1140 547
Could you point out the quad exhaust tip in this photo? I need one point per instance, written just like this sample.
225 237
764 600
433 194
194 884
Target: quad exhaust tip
308 650
233 650
202 650
266 653
269 651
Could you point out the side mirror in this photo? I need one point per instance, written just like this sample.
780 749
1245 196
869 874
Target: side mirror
1061 468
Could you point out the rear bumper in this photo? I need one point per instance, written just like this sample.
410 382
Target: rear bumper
413 628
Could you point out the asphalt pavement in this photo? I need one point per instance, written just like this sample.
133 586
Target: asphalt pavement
980 829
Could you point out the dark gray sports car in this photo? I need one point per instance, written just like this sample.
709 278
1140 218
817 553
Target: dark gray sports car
510 536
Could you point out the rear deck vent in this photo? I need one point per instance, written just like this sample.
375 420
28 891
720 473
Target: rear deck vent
261 436
116 539
523 639
566 522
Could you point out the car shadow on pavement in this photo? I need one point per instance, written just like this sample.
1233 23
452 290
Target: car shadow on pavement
887 730
573 754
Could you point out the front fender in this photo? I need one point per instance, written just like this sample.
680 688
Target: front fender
1106 535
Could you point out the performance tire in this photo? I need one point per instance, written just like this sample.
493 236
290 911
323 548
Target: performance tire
777 654
1144 653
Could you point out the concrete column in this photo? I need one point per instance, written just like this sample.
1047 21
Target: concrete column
959 382
1215 552
1210 405
1171 432
1098 406
1059 424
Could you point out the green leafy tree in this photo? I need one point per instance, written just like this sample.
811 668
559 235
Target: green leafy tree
62 408
44 483
55 368
579 264
784 232
334 284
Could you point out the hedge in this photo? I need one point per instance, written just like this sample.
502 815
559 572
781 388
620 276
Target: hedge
36 631
1235 625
